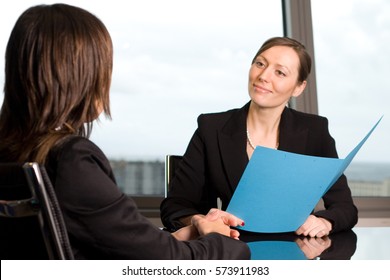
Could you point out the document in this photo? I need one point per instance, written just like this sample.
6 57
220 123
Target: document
278 190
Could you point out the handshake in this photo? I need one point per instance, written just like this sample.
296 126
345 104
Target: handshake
216 221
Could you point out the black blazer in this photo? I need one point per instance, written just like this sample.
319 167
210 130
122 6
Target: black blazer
216 158
104 223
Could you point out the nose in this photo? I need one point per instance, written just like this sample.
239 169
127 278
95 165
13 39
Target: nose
264 76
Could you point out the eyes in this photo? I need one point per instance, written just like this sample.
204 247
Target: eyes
263 65
280 73
259 64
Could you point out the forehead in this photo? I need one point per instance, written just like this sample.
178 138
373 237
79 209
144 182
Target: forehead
281 56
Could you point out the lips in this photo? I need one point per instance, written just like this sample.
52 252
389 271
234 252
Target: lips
261 89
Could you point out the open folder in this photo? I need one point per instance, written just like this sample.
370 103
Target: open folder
278 190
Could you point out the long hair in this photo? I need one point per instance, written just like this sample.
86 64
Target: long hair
58 70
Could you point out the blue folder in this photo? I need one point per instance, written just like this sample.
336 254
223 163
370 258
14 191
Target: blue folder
278 190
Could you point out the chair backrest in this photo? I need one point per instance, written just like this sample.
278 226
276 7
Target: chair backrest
171 164
31 222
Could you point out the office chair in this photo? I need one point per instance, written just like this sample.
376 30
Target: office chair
31 222
171 164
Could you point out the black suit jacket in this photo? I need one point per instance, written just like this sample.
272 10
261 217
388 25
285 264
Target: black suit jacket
104 223
216 158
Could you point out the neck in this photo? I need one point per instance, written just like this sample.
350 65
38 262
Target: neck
263 127
264 119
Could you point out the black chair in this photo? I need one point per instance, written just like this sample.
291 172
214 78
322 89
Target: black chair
171 164
31 222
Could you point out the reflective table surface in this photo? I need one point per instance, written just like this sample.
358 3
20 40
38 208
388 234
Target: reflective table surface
360 243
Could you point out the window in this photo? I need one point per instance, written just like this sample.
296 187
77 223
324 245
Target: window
173 60
176 59
352 64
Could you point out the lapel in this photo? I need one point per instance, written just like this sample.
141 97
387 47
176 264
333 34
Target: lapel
232 141
232 145
293 133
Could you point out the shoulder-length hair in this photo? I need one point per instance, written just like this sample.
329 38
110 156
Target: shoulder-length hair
58 70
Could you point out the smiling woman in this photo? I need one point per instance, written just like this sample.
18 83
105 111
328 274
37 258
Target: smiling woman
273 80
219 150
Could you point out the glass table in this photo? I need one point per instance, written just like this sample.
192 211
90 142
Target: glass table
360 243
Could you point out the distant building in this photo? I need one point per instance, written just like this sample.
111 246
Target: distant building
148 178
140 177
367 188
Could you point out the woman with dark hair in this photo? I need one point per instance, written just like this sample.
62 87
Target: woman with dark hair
57 81
224 142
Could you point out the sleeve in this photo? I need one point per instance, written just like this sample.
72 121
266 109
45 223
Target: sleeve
104 223
339 207
343 246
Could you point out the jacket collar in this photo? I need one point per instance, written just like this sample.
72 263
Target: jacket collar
232 145
232 141
292 134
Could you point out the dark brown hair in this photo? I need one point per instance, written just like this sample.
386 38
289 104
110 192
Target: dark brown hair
58 67
304 57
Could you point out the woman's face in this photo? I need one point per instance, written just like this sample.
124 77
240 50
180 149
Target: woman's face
273 77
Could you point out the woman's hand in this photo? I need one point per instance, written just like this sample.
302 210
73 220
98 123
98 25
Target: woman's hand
215 221
186 233
315 227
206 225
228 218
217 216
